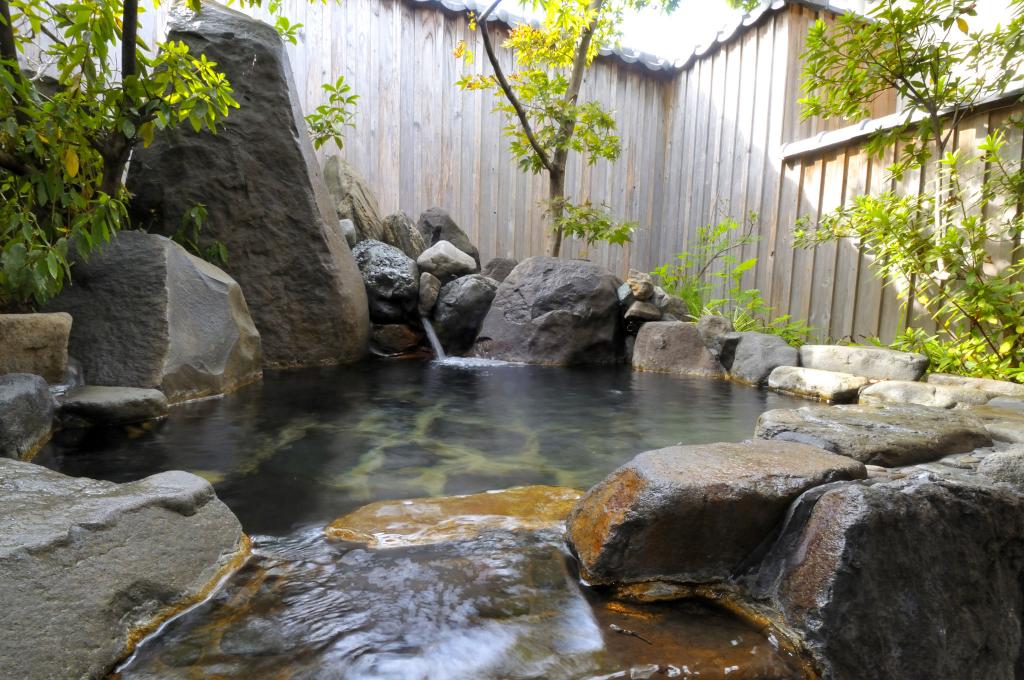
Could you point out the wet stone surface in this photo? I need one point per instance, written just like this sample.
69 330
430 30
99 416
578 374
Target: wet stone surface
503 605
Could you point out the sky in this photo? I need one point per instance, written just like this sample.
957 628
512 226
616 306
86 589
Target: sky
674 36
696 22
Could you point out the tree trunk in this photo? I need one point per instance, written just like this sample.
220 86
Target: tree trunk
556 194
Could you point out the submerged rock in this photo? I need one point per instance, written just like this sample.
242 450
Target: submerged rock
876 363
92 405
907 580
400 231
751 357
674 347
551 311
816 384
87 566
425 521
264 195
694 513
445 261
26 414
436 225
148 314
925 394
36 344
391 279
353 199
884 435
460 310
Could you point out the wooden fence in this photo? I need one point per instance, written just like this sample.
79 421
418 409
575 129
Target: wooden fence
698 143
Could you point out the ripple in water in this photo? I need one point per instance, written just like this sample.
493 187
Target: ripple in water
504 605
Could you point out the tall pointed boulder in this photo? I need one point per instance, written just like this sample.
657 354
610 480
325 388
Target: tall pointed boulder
264 195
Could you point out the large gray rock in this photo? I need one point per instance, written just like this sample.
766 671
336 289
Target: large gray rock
26 414
460 309
87 566
994 388
876 363
445 261
499 268
400 231
810 382
713 329
264 195
353 200
674 347
437 225
694 514
35 343
551 311
884 435
925 394
751 357
392 281
93 405
908 580
148 314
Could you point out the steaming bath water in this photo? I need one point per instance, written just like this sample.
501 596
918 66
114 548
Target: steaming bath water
291 454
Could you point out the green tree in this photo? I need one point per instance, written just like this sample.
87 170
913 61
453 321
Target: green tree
938 239
68 126
542 99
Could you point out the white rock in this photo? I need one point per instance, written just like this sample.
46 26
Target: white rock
817 384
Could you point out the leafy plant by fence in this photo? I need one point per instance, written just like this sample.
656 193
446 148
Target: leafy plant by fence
715 264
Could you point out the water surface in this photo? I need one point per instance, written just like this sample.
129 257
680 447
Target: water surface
292 453
304 447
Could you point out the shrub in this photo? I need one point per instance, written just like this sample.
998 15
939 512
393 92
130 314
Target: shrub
714 263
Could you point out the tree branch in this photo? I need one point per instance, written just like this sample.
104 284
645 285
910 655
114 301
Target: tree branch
579 65
506 88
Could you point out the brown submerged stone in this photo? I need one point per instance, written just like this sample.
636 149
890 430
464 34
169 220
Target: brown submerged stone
424 521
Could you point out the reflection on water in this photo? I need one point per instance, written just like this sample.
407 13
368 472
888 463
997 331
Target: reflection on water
502 605
304 447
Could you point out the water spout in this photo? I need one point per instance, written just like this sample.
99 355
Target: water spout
432 336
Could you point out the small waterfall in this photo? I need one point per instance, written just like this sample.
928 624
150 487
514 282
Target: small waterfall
432 336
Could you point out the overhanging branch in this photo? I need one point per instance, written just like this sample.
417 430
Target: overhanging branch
506 88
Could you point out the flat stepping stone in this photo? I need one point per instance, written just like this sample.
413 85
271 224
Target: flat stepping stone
426 521
885 435
876 363
923 394
96 405
694 513
994 388
817 384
